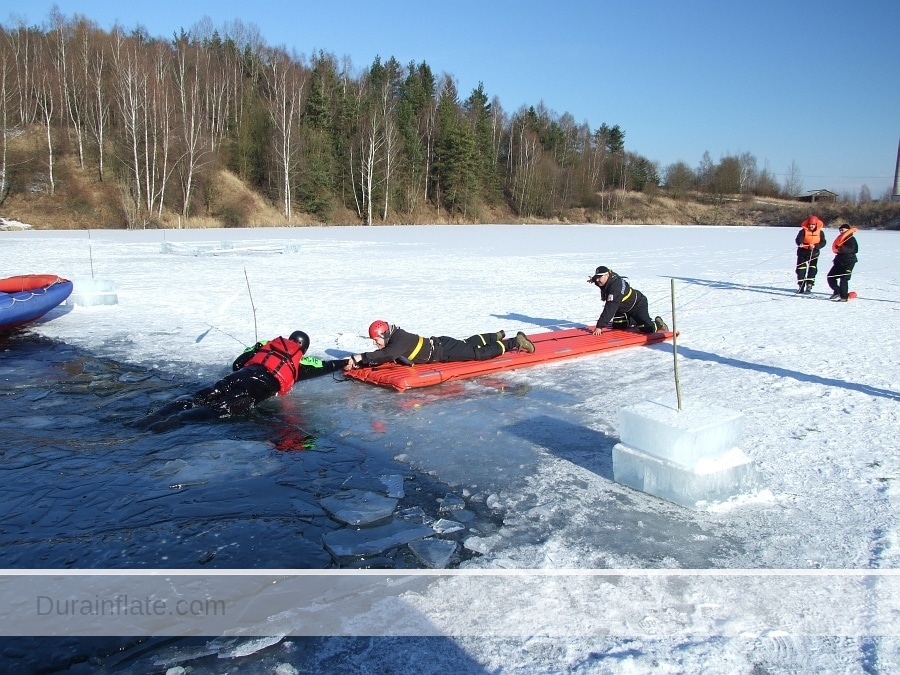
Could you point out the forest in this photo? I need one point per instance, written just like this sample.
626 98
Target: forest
135 131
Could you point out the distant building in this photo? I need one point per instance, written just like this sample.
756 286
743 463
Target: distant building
819 196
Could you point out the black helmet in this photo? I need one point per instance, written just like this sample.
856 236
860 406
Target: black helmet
301 339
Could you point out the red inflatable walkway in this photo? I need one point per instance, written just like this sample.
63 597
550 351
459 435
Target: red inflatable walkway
562 344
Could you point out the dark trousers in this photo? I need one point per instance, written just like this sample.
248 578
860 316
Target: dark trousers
839 279
234 394
637 316
475 348
807 265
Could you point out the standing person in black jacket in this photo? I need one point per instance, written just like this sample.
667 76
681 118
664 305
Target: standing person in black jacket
624 306
845 249
397 345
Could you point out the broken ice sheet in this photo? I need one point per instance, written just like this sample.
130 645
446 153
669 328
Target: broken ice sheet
444 526
359 507
394 485
370 540
451 503
433 553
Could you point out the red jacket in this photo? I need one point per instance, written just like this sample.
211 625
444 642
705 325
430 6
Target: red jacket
281 357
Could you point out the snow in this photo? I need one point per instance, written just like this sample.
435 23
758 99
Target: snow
816 382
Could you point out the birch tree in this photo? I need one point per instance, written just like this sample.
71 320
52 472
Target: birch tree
93 63
285 84
5 97
190 62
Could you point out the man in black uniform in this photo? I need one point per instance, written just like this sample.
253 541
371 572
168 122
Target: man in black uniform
624 306
397 345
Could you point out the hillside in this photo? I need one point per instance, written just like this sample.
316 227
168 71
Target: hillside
79 200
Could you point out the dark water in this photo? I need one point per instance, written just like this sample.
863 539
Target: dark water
82 489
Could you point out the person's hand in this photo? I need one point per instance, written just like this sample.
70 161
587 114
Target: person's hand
598 331
353 362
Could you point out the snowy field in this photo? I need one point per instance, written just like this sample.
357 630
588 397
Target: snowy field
816 380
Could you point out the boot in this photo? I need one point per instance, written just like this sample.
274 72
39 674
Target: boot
661 326
500 335
800 286
834 296
808 287
523 343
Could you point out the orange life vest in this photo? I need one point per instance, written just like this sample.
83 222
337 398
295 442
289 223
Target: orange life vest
841 238
811 237
281 357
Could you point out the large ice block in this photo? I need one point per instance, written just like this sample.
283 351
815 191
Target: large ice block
90 292
710 479
698 430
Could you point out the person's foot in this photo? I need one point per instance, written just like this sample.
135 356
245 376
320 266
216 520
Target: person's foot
523 343
845 300
500 335
834 296
661 326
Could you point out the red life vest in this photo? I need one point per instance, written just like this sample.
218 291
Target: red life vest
281 357
841 238
811 236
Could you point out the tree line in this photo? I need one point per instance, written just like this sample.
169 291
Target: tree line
158 118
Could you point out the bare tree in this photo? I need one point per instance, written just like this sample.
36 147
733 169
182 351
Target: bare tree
748 173
190 61
146 108
5 97
286 83
93 63
865 195
793 181
46 81
25 45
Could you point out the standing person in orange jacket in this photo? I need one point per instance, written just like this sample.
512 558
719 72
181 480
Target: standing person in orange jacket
845 249
810 240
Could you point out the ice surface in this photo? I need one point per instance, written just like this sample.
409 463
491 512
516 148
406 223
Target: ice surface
713 481
359 507
698 430
433 553
366 541
452 503
92 292
217 460
394 485
444 526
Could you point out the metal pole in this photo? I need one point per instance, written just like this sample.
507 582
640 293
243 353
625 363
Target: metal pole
675 346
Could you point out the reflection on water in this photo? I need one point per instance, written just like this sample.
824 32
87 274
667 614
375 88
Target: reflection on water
82 489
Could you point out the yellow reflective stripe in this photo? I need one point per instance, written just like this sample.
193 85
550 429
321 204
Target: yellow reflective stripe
627 295
417 349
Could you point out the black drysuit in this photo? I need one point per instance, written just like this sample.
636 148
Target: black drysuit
624 304
235 394
405 347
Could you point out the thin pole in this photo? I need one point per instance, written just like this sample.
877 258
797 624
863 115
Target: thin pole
675 346
91 254
255 329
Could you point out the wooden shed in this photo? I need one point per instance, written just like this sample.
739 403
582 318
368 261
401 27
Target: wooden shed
824 196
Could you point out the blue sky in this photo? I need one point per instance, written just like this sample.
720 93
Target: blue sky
813 83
